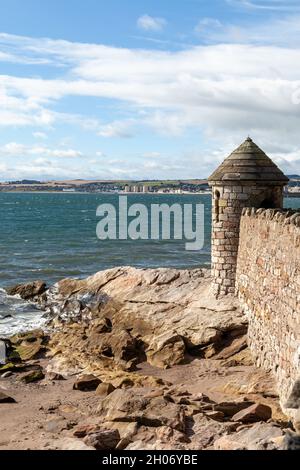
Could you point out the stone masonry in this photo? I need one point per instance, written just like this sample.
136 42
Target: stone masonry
268 286
247 178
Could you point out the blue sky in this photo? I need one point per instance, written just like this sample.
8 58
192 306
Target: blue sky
145 89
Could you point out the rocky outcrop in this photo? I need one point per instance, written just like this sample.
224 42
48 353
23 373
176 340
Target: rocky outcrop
29 291
120 317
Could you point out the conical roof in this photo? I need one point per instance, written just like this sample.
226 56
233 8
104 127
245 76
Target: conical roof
248 163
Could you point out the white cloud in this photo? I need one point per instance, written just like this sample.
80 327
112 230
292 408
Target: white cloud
120 129
274 5
40 135
224 91
150 23
14 149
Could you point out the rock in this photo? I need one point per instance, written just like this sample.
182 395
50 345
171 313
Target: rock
6 375
28 346
236 346
294 398
232 408
103 390
32 376
228 443
166 350
87 383
254 413
28 291
261 436
56 425
55 377
132 406
83 430
207 430
188 317
103 440
2 353
6 399
296 421
73 444
126 430
291 441
217 415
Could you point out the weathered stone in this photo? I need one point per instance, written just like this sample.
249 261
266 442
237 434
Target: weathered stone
103 439
103 390
166 350
254 413
32 376
6 399
55 377
132 406
232 408
258 437
87 383
28 291
73 444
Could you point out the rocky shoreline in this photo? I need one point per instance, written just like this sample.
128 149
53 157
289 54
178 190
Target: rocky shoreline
137 359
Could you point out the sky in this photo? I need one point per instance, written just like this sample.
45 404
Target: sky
146 89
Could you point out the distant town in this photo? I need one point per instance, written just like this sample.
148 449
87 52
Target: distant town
127 187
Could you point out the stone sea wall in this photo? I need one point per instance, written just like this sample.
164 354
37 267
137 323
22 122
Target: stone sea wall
268 287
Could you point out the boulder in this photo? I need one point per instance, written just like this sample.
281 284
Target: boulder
87 383
166 350
231 408
104 389
291 441
6 399
106 439
28 291
261 436
83 430
253 414
32 376
132 406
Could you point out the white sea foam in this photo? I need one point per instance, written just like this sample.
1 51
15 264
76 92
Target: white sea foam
18 316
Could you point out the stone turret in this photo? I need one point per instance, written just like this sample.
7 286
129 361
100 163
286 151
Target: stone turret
247 178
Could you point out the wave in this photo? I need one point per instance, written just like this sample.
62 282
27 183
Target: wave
17 315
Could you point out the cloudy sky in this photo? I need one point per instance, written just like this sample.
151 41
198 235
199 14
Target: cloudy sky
145 88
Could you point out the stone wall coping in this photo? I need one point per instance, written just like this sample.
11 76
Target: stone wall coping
282 216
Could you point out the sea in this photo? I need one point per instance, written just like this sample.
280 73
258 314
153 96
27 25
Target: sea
51 236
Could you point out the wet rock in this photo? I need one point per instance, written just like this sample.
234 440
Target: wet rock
28 346
6 399
87 383
73 444
103 390
103 439
166 350
230 409
261 436
254 413
28 291
32 376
